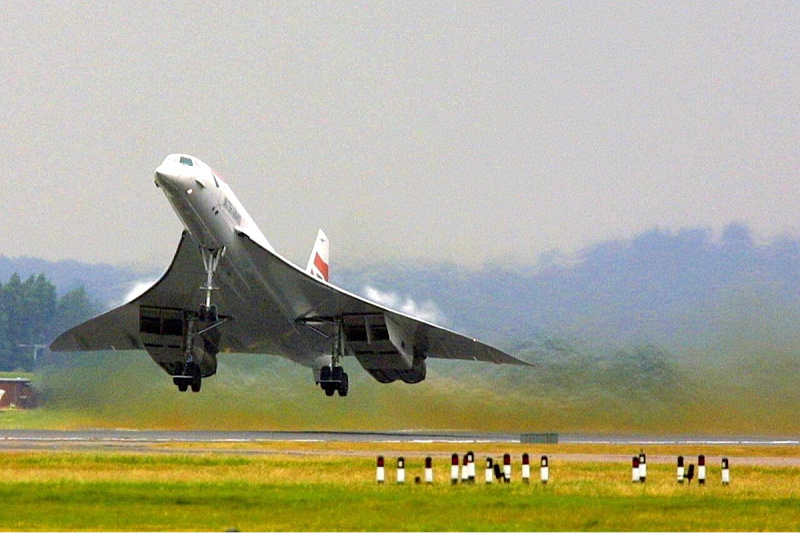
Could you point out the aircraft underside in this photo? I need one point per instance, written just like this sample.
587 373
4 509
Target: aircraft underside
227 290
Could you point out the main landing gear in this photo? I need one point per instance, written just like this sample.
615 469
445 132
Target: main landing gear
206 319
333 378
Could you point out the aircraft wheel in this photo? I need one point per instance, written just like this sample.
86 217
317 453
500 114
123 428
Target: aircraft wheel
325 373
329 391
344 385
202 312
182 386
196 384
213 314
337 374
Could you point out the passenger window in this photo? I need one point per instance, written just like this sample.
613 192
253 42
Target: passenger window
187 161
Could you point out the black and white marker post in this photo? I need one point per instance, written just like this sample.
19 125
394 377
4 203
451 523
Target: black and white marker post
681 469
642 466
545 470
380 472
726 472
489 470
471 465
401 470
701 470
526 468
465 469
429 470
507 468
454 469
635 469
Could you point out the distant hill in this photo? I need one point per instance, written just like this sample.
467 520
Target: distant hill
660 287
107 284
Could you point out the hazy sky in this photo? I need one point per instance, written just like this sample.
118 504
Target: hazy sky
422 131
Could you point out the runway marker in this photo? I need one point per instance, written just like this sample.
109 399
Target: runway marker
545 470
680 469
454 469
489 470
465 469
506 468
635 469
526 468
380 473
401 470
498 473
701 470
642 466
726 473
428 470
471 462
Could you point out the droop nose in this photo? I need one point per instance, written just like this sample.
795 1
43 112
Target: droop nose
172 176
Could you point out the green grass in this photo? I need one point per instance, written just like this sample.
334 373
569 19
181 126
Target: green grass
219 491
12 375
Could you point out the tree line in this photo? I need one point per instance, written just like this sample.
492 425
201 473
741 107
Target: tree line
32 314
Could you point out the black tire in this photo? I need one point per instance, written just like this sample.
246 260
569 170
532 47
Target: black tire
196 384
329 391
213 314
344 385
182 386
337 374
325 373
202 312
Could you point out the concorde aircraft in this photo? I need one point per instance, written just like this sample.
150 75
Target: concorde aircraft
228 290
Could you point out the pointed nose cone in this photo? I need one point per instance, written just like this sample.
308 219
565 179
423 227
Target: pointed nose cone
167 175
173 176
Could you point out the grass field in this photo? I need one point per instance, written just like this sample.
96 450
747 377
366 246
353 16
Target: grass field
331 486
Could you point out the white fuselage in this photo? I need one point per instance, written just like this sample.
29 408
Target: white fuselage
204 203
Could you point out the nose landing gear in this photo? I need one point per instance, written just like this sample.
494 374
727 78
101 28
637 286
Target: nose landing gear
208 317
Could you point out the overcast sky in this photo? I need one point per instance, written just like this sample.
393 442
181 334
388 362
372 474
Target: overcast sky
424 131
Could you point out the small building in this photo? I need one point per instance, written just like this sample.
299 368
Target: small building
539 438
15 392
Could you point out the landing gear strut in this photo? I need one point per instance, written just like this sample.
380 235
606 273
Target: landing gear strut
207 315
210 261
333 378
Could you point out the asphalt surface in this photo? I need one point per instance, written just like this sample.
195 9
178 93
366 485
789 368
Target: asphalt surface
99 436
163 442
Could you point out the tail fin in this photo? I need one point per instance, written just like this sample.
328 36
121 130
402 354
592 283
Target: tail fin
318 265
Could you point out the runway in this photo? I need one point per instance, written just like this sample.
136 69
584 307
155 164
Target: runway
274 442
155 436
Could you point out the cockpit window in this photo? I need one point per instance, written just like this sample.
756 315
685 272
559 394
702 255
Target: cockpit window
187 161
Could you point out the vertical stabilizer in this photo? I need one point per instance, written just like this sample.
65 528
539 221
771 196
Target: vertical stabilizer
318 265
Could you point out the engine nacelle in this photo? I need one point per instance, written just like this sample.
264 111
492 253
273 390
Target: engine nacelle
415 374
